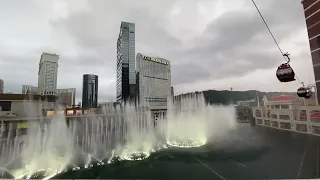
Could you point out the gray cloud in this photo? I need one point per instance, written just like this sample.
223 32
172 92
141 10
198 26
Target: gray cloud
233 44
189 72
238 41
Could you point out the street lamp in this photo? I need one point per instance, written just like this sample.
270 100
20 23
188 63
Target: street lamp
310 86
306 92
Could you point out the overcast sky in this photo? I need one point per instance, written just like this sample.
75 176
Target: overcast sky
212 44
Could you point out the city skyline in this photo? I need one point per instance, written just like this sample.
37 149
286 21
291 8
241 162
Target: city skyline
166 30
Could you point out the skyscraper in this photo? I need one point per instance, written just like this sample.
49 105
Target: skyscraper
47 74
154 81
126 76
312 16
90 91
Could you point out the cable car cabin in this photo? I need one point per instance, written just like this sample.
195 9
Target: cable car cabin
285 73
302 92
308 95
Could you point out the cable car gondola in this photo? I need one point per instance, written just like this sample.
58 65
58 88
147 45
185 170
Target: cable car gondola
284 72
302 92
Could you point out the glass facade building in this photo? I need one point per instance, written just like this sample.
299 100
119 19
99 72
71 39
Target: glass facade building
126 76
90 91
154 81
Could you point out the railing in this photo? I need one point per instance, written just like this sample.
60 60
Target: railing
112 114
50 117
107 114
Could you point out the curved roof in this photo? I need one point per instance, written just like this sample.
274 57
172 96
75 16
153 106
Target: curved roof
284 98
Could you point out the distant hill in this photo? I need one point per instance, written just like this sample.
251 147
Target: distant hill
231 97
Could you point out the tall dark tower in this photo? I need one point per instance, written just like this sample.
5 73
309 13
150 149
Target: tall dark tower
126 75
90 91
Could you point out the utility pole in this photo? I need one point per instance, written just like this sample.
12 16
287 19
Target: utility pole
315 92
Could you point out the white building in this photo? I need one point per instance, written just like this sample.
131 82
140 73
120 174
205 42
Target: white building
289 113
28 89
66 96
248 103
154 81
1 86
47 75
24 105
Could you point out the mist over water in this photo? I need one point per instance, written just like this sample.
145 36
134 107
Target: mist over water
48 146
120 133
139 135
193 123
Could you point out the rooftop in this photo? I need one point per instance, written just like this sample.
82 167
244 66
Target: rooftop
284 98
21 97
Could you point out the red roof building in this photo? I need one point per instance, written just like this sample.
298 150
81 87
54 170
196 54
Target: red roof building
284 98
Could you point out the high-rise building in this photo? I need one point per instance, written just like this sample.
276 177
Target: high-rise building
28 89
126 76
90 91
154 81
312 16
1 86
66 97
47 75
172 92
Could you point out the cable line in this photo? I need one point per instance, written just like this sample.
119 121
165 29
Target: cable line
285 68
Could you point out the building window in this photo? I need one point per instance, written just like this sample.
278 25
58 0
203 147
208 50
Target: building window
267 122
315 116
284 106
285 125
259 121
315 129
284 117
258 113
301 127
303 115
274 116
275 124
